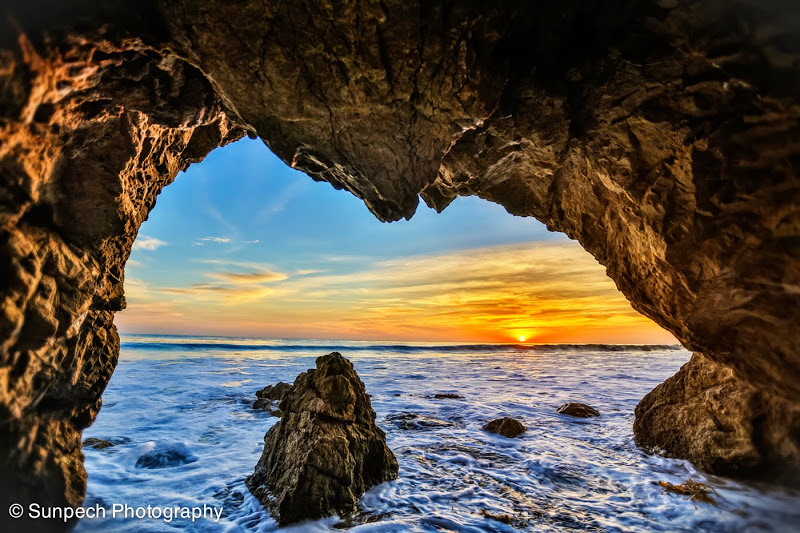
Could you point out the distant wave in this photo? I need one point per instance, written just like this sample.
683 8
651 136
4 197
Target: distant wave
398 348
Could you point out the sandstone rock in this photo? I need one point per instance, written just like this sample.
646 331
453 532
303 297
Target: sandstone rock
326 450
707 414
664 145
507 427
580 410
270 396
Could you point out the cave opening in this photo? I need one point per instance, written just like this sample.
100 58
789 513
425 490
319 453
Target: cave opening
246 270
240 244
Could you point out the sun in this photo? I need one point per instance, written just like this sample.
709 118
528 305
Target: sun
522 338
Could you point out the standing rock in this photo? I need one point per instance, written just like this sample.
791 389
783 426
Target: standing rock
581 410
326 451
507 427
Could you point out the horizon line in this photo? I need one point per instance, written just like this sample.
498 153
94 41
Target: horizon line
463 343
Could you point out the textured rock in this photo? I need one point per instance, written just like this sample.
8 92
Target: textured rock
705 412
580 410
659 134
326 450
507 427
270 396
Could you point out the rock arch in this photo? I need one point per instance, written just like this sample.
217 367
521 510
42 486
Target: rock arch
661 135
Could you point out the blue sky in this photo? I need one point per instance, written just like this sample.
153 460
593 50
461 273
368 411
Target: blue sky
241 236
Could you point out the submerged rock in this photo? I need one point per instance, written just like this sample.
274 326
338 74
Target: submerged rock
414 421
507 427
326 451
447 396
167 455
98 444
580 410
270 396
102 444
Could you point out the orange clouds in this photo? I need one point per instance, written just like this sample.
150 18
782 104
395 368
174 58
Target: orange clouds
547 292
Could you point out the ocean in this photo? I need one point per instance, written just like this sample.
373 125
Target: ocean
178 413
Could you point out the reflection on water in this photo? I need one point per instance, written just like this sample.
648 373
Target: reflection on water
187 412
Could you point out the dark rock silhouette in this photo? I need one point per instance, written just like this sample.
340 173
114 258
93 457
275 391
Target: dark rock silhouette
447 396
507 427
580 410
326 450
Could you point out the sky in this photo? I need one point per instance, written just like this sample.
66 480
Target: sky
243 245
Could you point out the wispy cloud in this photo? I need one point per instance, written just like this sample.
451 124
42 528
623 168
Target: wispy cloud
214 239
221 240
548 292
230 287
143 242
259 276
221 294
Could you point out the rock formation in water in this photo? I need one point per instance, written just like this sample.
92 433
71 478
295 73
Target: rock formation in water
580 410
270 397
326 450
661 134
506 426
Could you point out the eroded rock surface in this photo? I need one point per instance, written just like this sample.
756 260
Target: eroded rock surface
326 450
725 425
659 134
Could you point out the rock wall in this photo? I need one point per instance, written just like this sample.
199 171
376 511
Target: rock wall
661 135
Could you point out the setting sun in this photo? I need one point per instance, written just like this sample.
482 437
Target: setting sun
522 338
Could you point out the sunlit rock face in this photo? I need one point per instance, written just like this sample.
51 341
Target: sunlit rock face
661 135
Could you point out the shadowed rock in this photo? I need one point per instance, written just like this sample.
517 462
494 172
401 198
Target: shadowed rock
270 396
580 410
326 450
507 427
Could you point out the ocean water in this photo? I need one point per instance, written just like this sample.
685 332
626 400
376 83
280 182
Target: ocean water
179 413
